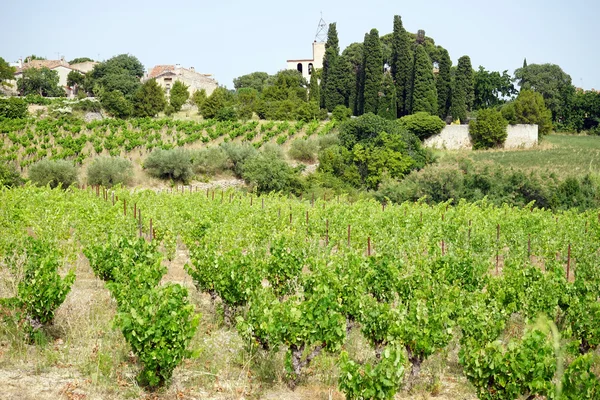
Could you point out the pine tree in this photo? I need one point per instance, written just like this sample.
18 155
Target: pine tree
463 91
332 51
443 83
179 95
372 72
402 64
424 91
525 62
340 83
387 107
314 93
149 99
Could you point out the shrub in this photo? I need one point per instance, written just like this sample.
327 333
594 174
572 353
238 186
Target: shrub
227 113
308 111
9 176
329 140
211 160
54 173
159 326
173 164
169 110
341 113
87 105
529 108
488 130
303 150
422 124
109 171
116 104
268 172
237 154
13 108
42 290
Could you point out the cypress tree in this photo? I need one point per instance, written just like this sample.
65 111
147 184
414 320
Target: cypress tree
339 85
372 72
314 93
332 51
149 99
463 91
402 65
424 91
387 107
443 82
525 62
354 54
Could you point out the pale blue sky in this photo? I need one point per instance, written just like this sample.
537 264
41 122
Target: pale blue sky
230 38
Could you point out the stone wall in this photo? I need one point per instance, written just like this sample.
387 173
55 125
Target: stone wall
456 137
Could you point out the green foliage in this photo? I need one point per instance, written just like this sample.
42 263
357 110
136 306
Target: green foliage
42 81
13 108
341 113
372 73
422 124
424 90
237 155
120 73
339 84
332 51
54 173
173 164
444 84
387 98
491 88
9 176
6 72
159 325
368 381
75 78
304 150
149 99
115 103
247 99
488 130
402 67
226 113
214 103
198 98
529 108
580 381
109 171
552 83
210 160
179 95
314 91
80 60
268 172
463 91
254 80
42 290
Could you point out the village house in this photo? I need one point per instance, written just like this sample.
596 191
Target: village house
307 66
167 75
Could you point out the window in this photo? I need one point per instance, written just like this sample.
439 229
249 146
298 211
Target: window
299 67
310 68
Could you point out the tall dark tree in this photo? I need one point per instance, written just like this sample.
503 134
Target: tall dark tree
525 62
402 64
179 95
462 90
372 72
443 83
387 107
354 54
332 51
424 91
341 79
149 99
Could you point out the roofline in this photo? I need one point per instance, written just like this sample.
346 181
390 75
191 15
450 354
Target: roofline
301 60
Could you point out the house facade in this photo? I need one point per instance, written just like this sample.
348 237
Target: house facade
307 66
167 75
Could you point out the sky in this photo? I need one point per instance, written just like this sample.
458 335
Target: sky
231 38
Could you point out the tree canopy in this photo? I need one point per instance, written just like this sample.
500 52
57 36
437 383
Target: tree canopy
491 88
255 80
80 60
149 99
42 81
7 72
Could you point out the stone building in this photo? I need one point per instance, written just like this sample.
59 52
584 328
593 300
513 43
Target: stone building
166 75
306 66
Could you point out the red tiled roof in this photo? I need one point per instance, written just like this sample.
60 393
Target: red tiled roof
50 64
159 70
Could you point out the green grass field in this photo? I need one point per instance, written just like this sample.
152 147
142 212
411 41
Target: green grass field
564 155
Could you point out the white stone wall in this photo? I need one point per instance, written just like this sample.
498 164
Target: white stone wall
456 137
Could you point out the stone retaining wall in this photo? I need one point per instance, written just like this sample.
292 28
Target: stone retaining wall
456 137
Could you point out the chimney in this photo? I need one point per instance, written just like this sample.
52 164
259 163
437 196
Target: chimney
62 60
21 62
192 69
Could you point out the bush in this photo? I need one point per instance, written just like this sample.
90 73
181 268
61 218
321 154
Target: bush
13 108
42 290
303 150
227 113
87 105
422 124
329 140
109 171
341 113
54 173
237 154
9 176
268 172
116 104
529 108
211 161
173 164
488 130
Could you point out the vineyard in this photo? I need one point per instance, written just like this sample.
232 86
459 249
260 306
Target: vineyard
222 294
29 140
